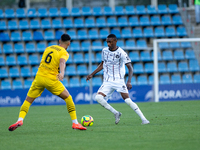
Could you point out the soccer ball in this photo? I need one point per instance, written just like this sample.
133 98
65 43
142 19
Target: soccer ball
87 120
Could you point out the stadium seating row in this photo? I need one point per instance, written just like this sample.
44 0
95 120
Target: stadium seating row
88 11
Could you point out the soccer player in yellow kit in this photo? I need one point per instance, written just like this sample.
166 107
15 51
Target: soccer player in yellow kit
50 71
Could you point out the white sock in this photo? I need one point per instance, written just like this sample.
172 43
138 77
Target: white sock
135 107
19 119
75 121
100 99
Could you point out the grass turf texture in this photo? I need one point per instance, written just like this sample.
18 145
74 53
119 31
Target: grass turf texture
174 126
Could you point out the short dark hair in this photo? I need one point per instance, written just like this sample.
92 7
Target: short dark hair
65 37
112 36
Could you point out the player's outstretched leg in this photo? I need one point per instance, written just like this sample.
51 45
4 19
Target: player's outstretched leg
15 125
117 117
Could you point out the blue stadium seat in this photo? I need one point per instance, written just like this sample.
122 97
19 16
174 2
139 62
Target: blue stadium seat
85 46
6 85
76 12
4 37
187 78
164 79
42 12
19 48
30 47
141 44
162 67
138 68
103 33
194 65
67 23
171 67
82 34
74 82
126 33
177 20
137 33
41 47
97 46
166 20
58 35
14 72
142 80
22 60
183 67
148 32
1 14
45 24
84 82
107 11
174 45
49 35
140 10
34 70
15 36
3 25
181 31
119 10
33 59
87 58
144 21
197 78
52 43
70 70
133 21
93 34
89 22
23 24
3 73
9 13
163 45
7 48
38 36
20 13
27 83
53 12
186 45
27 36
35 24
176 79
65 82
78 23
78 58
25 72
17 84
167 55
86 11
75 46
64 12
116 32
151 80
145 56
31 13
130 44
189 54
2 60
11 60
97 81
98 57
12 25
70 60
111 22
173 8
82 70
162 9
97 11
101 22
170 31
129 10
159 32
122 21
120 43
148 67
151 10
178 55
56 23
155 20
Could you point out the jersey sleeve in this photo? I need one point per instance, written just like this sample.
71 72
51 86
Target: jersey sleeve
65 56
126 58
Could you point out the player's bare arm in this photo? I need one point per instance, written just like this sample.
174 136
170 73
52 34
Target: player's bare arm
99 68
62 69
130 74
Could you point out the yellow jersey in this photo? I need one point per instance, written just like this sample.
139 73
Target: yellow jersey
49 65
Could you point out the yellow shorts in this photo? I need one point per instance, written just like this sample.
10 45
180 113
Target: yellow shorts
40 83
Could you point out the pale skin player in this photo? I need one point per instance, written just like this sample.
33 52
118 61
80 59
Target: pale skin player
108 85
48 77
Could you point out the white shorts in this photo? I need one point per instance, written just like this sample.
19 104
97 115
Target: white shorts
108 87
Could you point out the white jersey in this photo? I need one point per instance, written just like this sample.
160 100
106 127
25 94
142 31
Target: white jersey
114 63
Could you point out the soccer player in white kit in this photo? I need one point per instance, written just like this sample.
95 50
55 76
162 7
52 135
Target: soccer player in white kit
113 64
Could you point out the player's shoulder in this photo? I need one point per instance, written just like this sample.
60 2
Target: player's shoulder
105 49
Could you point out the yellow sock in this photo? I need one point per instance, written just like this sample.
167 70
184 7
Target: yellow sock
71 107
24 109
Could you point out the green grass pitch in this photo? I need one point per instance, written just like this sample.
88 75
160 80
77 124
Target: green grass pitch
174 126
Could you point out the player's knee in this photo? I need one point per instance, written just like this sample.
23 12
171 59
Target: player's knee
99 98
